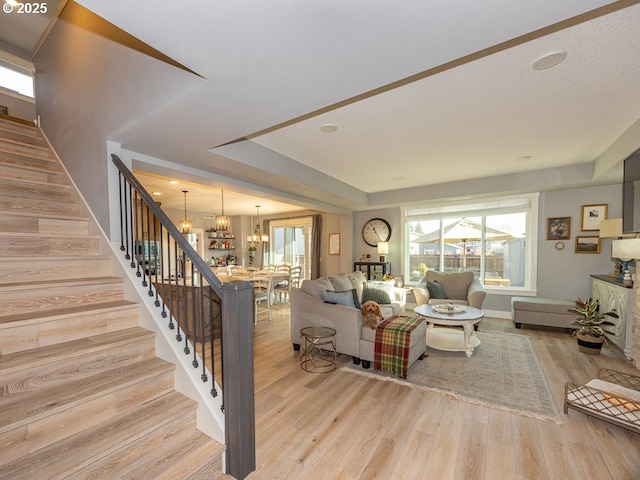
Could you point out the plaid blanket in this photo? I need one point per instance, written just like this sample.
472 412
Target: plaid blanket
393 337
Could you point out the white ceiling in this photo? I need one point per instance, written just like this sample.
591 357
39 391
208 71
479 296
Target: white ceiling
422 93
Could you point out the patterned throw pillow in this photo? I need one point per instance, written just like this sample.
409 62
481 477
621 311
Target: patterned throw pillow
375 293
436 290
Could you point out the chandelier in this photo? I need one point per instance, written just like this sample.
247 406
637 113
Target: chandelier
257 236
222 221
185 225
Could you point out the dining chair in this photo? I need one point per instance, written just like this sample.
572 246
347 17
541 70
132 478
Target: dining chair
283 289
262 292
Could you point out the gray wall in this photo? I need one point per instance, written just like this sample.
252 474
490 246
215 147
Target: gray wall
560 273
88 84
18 108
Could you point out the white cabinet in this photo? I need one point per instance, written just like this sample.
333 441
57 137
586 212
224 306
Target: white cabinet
612 294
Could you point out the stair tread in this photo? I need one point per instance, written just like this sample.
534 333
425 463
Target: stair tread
46 316
22 143
23 409
57 258
72 348
103 439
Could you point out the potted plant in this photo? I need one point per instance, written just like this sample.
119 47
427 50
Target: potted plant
591 322
252 252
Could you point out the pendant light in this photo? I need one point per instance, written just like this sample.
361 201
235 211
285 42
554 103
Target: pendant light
222 221
186 225
257 236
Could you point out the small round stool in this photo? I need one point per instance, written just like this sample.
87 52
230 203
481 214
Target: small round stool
312 357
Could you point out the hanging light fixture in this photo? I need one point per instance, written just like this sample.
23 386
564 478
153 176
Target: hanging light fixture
257 236
186 225
222 221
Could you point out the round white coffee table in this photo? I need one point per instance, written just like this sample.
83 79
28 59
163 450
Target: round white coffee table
448 338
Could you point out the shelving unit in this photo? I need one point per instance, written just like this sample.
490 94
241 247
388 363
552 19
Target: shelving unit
221 243
372 270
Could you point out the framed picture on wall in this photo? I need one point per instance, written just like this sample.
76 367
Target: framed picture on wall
592 215
4 110
334 244
558 228
587 244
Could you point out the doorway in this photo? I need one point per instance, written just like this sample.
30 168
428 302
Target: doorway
290 243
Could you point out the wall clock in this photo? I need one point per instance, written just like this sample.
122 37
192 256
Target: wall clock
376 230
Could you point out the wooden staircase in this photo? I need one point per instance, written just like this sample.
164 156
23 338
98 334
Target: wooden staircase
82 393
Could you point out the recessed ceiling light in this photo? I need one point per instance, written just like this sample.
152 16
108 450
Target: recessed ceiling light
157 193
549 60
524 158
397 179
173 182
328 128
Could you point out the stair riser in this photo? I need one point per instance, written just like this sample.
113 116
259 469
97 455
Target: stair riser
51 297
57 226
28 175
27 139
26 163
24 150
42 207
53 372
19 271
35 191
27 336
15 127
42 246
50 429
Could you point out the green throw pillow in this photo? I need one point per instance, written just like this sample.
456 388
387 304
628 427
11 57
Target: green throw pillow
436 290
375 294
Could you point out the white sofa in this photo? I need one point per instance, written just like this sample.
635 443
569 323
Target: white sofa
309 309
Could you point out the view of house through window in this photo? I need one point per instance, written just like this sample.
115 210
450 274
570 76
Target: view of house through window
290 243
490 239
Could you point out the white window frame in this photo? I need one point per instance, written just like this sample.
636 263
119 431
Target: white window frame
482 207
19 65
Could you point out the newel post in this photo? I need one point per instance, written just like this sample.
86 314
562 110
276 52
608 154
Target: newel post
237 371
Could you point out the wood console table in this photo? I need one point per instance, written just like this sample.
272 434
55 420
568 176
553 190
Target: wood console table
612 294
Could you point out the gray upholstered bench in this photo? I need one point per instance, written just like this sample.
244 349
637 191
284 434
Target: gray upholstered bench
542 311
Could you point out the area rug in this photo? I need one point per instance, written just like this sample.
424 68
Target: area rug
504 373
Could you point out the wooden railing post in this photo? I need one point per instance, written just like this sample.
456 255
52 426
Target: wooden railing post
237 372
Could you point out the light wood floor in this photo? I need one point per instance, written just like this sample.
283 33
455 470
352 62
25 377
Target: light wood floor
344 426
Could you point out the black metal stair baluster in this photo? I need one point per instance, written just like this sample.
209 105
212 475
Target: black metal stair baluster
185 317
129 225
122 212
198 314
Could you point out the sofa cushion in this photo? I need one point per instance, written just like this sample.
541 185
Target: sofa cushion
375 293
436 290
357 280
455 284
341 283
314 287
347 298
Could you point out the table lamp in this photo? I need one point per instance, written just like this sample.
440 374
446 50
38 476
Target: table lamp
612 228
626 250
383 249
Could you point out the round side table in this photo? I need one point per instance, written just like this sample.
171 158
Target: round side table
313 358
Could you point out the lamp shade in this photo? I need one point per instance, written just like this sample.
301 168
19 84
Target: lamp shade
611 228
626 250
383 248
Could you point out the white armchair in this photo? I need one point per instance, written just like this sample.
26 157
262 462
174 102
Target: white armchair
462 288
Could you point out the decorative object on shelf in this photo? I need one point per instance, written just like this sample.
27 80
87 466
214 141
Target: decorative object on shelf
590 244
222 221
257 235
383 249
185 226
627 281
376 230
626 250
591 322
387 276
558 228
592 215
